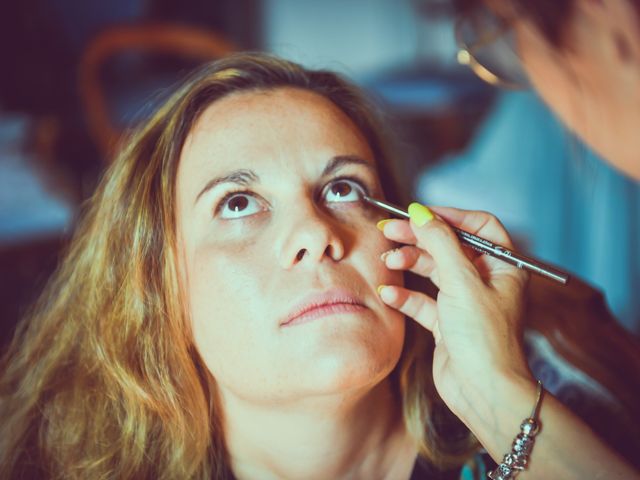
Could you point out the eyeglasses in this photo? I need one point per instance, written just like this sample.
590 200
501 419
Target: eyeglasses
486 44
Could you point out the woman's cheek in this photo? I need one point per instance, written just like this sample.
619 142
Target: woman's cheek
226 288
229 261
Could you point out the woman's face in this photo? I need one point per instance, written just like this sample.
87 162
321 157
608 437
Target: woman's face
269 225
593 83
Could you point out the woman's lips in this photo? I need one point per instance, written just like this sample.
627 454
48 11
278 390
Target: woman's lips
320 305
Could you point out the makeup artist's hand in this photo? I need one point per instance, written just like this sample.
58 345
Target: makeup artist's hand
476 318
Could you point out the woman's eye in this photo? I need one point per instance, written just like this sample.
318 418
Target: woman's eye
239 205
343 190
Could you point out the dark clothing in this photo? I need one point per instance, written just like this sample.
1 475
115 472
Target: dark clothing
475 469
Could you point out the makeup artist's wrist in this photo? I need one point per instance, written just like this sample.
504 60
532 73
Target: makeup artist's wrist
489 385
494 409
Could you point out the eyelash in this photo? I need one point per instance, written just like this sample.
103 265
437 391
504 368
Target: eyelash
233 193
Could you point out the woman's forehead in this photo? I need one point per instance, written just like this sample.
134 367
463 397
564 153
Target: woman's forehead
257 127
275 109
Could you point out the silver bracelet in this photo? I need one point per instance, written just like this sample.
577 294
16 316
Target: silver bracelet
516 461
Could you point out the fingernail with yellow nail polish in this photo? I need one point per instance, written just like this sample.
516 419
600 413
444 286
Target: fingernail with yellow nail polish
380 288
380 225
420 215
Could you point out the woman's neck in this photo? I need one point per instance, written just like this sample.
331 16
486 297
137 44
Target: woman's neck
356 436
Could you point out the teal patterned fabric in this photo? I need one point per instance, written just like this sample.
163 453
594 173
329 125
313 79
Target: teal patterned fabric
476 468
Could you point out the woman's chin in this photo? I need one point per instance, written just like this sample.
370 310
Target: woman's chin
339 374
347 362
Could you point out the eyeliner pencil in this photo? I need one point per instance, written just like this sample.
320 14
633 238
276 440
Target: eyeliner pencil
485 246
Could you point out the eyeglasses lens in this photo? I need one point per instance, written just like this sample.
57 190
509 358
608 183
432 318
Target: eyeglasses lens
490 44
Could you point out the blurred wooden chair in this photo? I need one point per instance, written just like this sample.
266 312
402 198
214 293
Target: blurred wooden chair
144 42
586 359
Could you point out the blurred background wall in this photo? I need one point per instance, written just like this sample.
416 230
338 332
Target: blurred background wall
68 84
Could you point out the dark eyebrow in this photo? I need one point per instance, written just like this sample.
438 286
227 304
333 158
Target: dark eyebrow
340 161
241 177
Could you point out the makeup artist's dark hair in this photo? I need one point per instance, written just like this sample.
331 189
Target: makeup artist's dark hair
549 16
102 379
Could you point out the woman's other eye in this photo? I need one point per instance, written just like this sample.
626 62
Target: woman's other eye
343 190
238 205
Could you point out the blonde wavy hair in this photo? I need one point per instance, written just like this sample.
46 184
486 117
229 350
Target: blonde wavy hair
102 379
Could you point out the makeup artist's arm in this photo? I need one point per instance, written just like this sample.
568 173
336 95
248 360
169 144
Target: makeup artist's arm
479 366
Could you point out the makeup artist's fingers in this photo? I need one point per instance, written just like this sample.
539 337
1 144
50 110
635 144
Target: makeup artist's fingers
439 239
437 336
455 269
416 305
408 258
487 226
479 223
398 231
413 259
501 274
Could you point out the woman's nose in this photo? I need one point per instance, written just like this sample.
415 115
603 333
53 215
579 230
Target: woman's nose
311 235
